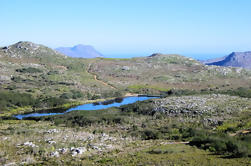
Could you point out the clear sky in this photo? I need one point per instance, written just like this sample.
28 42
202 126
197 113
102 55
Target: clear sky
133 27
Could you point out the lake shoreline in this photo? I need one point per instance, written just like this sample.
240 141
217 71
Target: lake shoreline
90 103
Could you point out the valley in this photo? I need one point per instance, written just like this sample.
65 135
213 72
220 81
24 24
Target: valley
202 115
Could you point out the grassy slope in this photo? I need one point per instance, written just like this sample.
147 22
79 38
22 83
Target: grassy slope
167 71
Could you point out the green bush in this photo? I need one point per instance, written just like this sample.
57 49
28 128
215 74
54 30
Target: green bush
9 98
53 102
148 134
142 107
29 70
17 79
242 92
11 87
66 96
73 94
76 94
87 118
52 72
221 145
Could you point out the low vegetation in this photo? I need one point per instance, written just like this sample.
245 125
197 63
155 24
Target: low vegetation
201 118
13 99
29 70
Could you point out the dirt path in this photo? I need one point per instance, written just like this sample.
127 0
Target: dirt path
240 132
98 80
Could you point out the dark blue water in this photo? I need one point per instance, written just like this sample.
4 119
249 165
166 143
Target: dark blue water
92 106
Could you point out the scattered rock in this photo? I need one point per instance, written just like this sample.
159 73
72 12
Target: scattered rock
63 150
95 147
10 164
212 108
126 68
30 144
53 131
54 154
79 150
51 142
4 78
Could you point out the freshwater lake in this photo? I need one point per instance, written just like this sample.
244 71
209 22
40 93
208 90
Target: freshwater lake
91 106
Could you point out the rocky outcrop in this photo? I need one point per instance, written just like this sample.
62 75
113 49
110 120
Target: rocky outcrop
213 109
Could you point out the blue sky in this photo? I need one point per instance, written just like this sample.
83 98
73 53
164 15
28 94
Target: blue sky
131 27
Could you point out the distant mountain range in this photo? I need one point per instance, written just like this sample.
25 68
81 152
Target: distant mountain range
80 51
235 59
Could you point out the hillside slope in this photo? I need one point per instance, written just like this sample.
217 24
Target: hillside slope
45 74
162 72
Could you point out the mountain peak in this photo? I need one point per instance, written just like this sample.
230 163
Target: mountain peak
26 45
80 51
24 49
235 59
81 46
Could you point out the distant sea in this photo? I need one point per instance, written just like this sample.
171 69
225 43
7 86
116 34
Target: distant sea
203 57
196 56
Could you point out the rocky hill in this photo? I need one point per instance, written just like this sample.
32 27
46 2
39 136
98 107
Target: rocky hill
25 49
235 59
44 73
80 51
162 72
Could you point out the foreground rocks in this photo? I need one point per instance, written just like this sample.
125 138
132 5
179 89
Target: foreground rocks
212 108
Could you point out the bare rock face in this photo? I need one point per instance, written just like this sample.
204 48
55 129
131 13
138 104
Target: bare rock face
235 59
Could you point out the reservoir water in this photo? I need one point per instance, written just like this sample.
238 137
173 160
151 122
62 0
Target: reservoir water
91 106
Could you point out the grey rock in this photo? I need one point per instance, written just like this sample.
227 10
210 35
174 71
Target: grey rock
125 68
76 151
54 154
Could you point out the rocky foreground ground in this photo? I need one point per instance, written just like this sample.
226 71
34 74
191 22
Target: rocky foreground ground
25 142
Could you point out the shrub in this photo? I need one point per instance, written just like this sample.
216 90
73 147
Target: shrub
87 118
221 145
66 96
143 107
73 94
29 70
52 72
242 92
53 102
17 79
11 87
76 94
148 134
9 98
